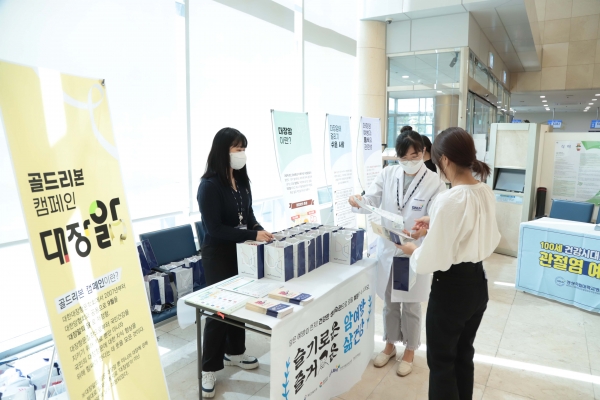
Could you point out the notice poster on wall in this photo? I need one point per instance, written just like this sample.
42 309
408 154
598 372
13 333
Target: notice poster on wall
294 157
370 132
66 166
576 171
340 150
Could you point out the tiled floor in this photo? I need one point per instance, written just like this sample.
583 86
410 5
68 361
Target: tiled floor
526 348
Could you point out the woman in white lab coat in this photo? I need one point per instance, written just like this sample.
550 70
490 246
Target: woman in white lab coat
407 189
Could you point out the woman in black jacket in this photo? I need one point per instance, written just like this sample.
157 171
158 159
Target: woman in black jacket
225 202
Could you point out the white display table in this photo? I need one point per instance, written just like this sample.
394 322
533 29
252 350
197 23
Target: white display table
560 260
321 349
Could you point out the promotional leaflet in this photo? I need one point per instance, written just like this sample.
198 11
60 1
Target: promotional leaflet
250 287
294 156
370 132
219 300
396 237
576 171
340 150
67 170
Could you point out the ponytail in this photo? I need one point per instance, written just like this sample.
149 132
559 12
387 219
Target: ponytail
458 146
481 169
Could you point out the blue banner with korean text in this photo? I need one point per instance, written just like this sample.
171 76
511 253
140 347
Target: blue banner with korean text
562 265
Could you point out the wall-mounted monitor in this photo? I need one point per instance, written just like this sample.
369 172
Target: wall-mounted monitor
510 180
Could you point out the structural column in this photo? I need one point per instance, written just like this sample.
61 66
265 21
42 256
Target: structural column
372 95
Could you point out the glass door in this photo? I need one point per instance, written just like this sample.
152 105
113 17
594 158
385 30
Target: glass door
484 115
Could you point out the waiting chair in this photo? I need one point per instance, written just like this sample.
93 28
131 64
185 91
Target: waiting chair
571 210
172 244
168 245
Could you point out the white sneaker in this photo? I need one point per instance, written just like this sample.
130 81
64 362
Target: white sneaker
382 358
209 380
404 368
243 361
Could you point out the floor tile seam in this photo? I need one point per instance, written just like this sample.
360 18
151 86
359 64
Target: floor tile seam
541 364
167 355
502 389
587 346
179 369
545 326
259 390
516 394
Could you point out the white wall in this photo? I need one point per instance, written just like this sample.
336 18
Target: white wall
481 46
572 121
414 9
440 32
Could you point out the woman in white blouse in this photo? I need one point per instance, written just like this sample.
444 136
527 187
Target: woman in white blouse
461 232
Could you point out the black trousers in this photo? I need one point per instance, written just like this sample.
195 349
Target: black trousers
457 302
220 263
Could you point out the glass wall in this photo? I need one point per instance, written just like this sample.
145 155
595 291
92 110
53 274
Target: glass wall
423 92
417 112
495 107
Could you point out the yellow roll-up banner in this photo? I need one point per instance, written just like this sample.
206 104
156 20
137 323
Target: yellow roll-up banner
67 170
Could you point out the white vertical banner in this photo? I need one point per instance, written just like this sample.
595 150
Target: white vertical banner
340 151
294 157
370 131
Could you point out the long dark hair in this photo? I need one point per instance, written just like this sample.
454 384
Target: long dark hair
218 159
426 143
406 128
407 139
458 146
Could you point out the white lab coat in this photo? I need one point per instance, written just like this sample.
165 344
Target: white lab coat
383 193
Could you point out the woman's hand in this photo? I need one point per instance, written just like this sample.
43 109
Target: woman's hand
407 248
354 203
421 223
415 234
263 236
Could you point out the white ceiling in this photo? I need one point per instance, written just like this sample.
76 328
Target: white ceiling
563 101
509 29
505 23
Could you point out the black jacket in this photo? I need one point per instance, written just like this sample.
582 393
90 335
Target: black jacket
219 211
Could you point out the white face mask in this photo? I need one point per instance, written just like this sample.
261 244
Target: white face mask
237 160
411 167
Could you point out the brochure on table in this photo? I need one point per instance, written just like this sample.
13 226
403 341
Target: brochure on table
370 133
317 283
67 171
342 176
294 158
250 287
